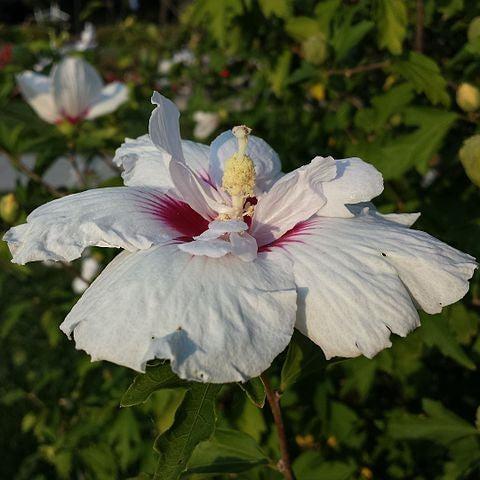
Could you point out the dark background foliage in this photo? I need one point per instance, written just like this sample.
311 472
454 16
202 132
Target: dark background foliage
379 79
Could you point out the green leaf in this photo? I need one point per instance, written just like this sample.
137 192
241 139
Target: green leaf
440 425
384 106
425 76
255 390
311 466
301 28
155 378
228 451
303 358
436 333
280 8
194 422
348 35
394 156
279 75
391 18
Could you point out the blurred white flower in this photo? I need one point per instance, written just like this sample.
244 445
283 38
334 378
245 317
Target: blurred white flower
43 63
10 176
88 271
73 92
205 124
87 41
224 255
63 174
184 57
52 15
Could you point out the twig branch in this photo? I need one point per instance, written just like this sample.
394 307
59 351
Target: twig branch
16 163
78 172
273 398
348 72
420 26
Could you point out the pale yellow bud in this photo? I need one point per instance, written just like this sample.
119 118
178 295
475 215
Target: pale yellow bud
468 97
470 158
9 208
366 473
317 91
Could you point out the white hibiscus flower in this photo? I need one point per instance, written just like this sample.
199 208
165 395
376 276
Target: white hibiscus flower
223 256
73 92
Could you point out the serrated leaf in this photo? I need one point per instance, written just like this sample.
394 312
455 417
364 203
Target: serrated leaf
394 156
348 35
255 390
155 378
303 358
194 422
391 18
425 76
228 451
436 333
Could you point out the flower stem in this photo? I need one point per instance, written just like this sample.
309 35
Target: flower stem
273 398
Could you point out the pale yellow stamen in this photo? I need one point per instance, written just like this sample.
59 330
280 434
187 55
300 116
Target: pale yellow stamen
239 174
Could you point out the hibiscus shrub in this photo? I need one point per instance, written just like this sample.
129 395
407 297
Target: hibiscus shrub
395 82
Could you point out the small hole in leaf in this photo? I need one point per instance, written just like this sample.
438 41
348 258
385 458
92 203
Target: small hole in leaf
384 254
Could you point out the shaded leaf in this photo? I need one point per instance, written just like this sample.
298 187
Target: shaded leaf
255 390
425 76
154 378
436 333
228 451
440 425
194 422
303 358
311 466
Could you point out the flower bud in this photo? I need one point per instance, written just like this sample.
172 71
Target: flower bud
470 157
474 30
314 49
468 97
9 208
317 91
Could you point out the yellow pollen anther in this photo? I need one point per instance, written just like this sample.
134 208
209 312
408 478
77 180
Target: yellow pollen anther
239 174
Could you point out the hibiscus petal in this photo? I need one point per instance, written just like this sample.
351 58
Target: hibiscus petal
244 246
266 160
356 277
195 191
145 165
356 181
76 85
37 91
213 248
107 217
111 97
235 317
295 197
164 127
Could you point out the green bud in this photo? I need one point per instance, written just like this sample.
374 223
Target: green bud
66 128
474 30
314 49
470 157
9 208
